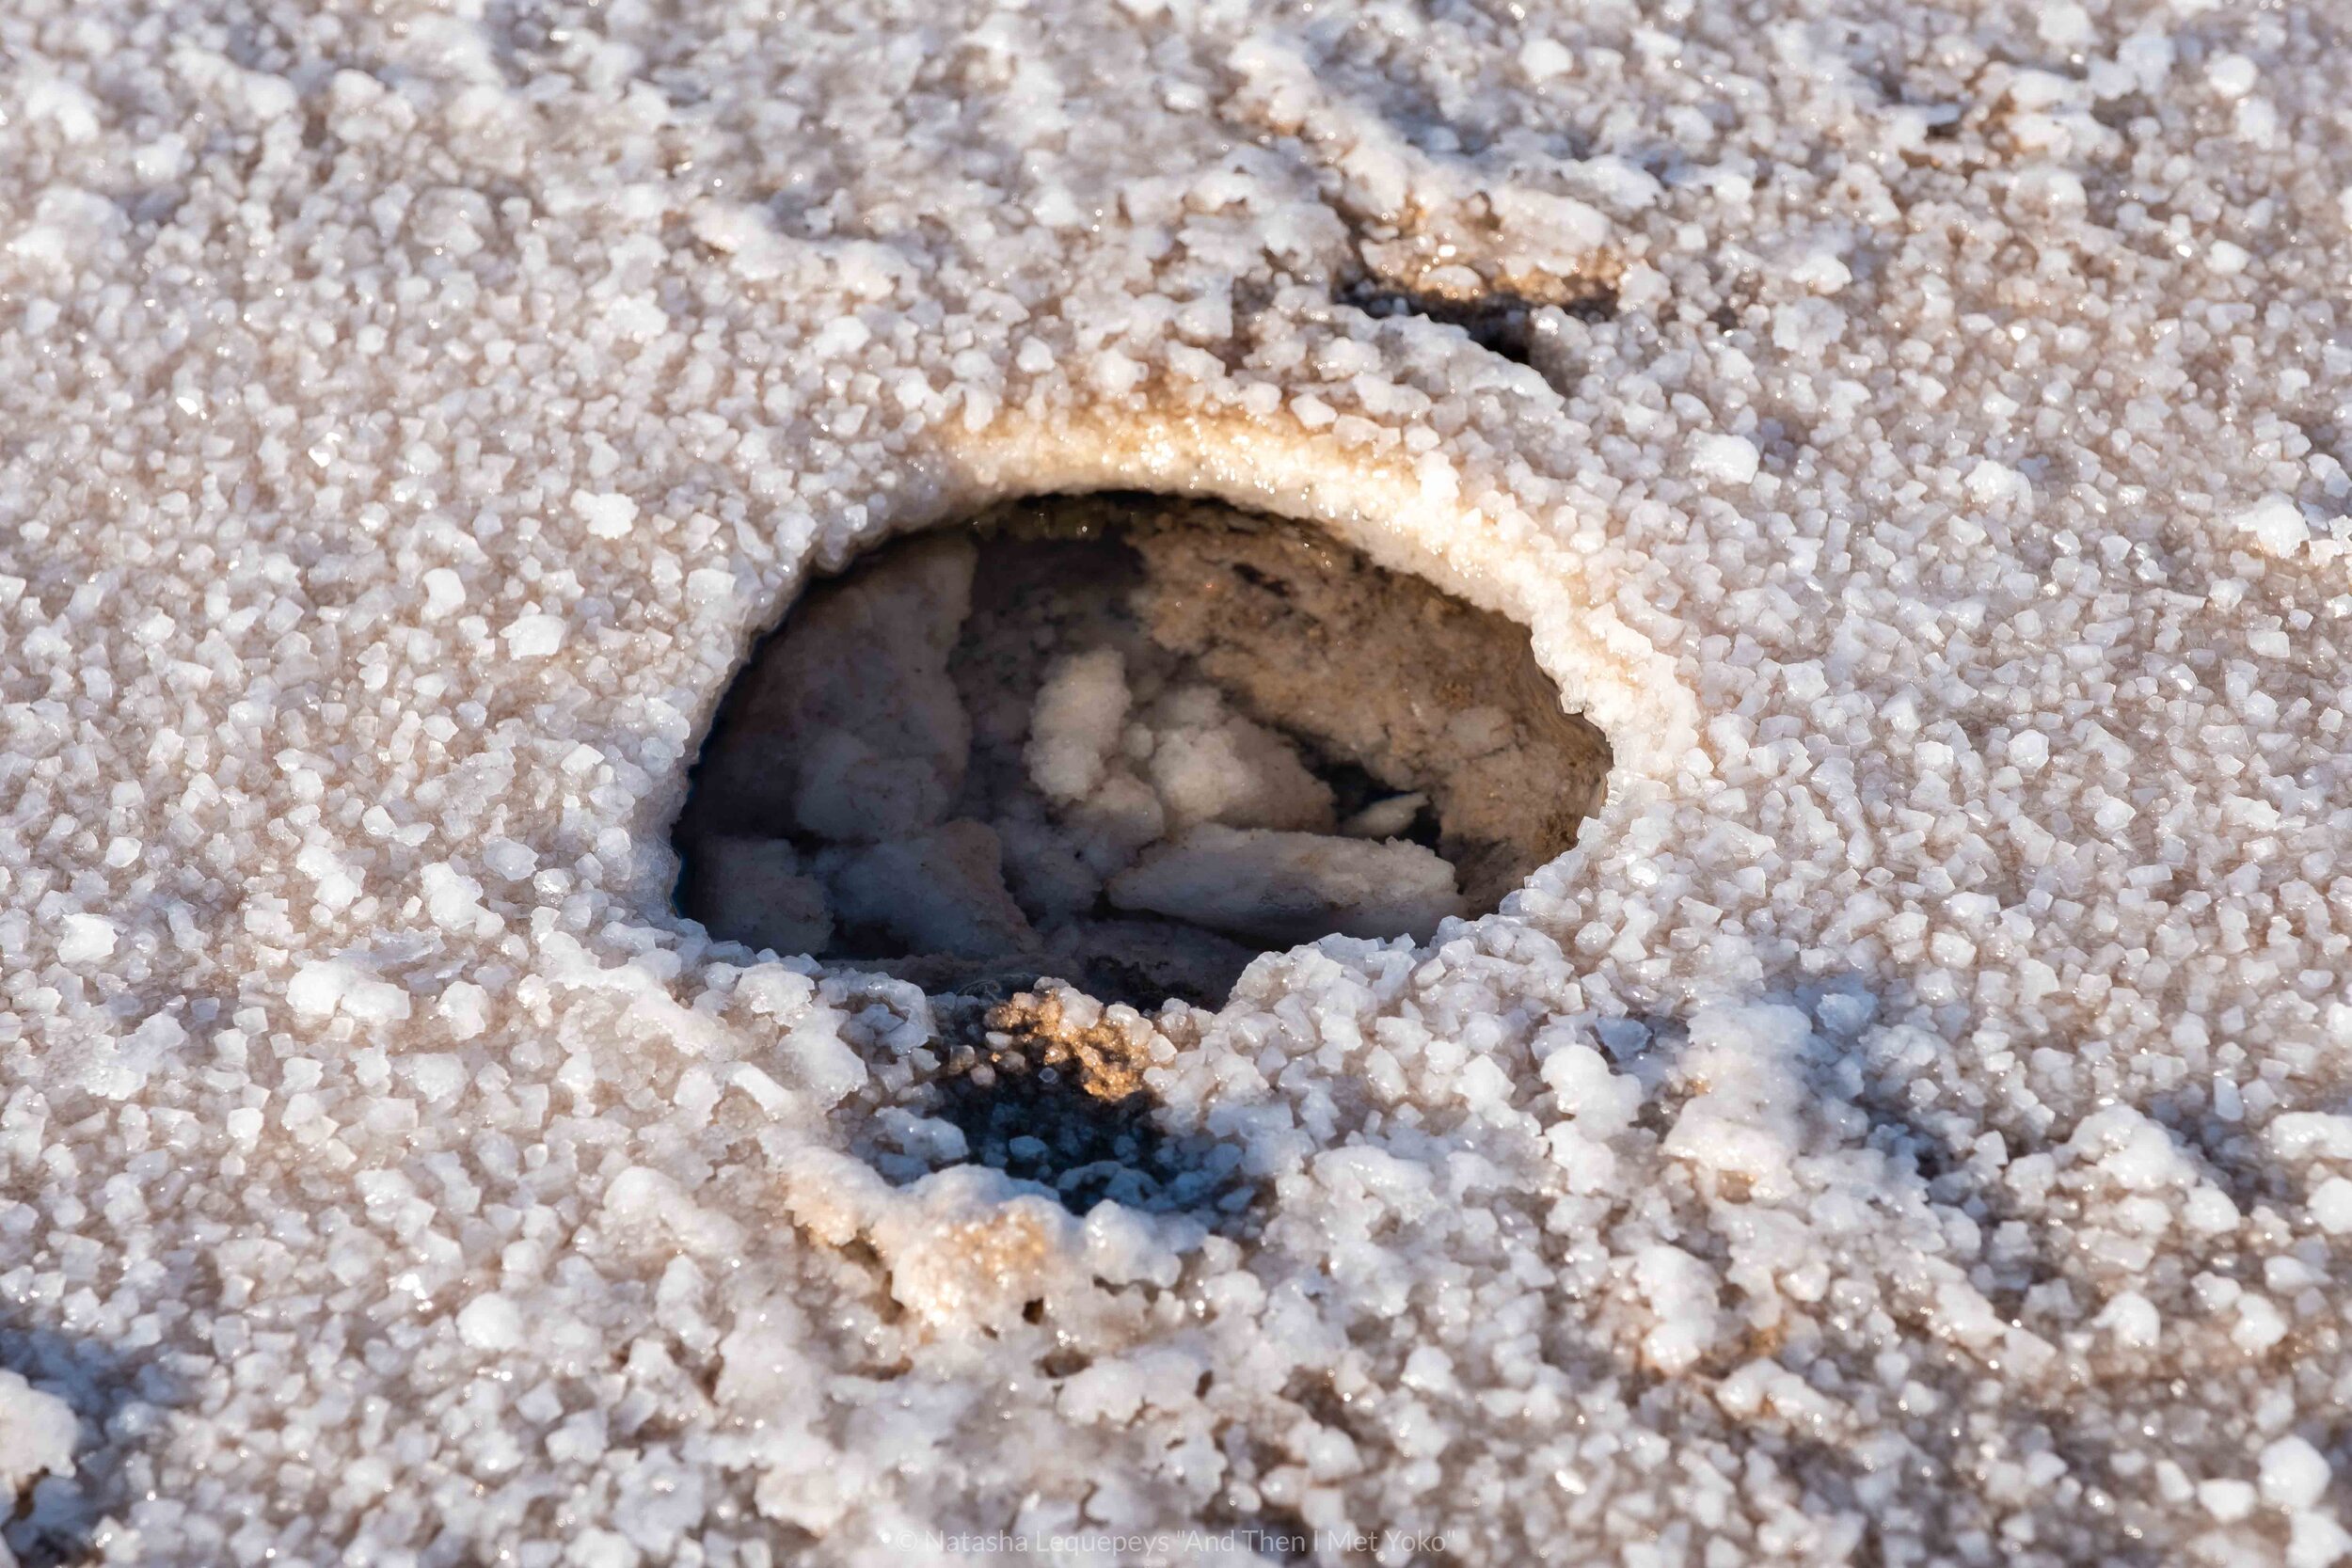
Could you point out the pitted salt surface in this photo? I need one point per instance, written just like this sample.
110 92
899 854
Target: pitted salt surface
1902 1130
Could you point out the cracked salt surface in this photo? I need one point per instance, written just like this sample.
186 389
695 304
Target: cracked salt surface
1911 1124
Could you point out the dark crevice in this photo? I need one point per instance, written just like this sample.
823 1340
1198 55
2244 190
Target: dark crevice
1498 320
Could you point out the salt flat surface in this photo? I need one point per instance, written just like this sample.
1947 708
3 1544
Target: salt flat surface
1912 1125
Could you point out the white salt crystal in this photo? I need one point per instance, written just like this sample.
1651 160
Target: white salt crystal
2332 1206
2275 525
2294 1475
1544 58
2132 1318
1291 886
444 593
608 516
85 939
2227 1500
1081 709
490 1323
534 636
1728 459
465 1006
2232 75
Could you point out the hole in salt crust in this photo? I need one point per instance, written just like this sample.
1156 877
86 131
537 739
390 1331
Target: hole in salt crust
1107 749
1126 742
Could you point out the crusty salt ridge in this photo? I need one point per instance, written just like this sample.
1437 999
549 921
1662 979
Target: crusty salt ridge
1911 1124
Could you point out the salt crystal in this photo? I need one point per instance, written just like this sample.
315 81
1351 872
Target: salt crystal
2294 1475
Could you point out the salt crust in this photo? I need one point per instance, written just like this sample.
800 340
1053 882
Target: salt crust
1910 1126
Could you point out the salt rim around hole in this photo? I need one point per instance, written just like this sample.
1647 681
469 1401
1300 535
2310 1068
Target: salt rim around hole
1098 1115
1410 520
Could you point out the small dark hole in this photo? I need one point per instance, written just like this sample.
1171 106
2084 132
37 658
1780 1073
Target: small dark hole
1498 320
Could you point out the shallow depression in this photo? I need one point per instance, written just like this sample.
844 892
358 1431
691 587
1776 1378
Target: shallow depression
1127 742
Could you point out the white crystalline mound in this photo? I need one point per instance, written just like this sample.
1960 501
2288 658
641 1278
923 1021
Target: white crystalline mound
1208 765
1203 762
1283 888
1075 727
1910 1127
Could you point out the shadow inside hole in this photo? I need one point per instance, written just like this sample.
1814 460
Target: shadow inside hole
1496 319
1129 742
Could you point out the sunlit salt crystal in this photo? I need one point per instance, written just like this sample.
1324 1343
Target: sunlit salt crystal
2314 1539
1122 1247
2065 24
840 336
490 1323
1730 459
2258 1324
1105 1391
2275 526
444 593
1429 1370
1544 58
337 883
1989 481
2332 1206
58 102
454 902
1440 484
437 1076
708 586
1823 272
1603 1101
607 514
823 1064
2227 1500
1563 227
2294 1474
1681 1292
2210 1212
2132 1318
465 1006
325 987
85 939
534 636
2232 75
2305 1134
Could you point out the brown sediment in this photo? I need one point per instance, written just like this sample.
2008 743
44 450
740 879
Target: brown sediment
1450 701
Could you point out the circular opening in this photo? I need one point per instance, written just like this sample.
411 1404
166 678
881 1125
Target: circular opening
1126 742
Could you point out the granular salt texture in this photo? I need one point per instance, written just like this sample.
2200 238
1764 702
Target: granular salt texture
1896 1131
